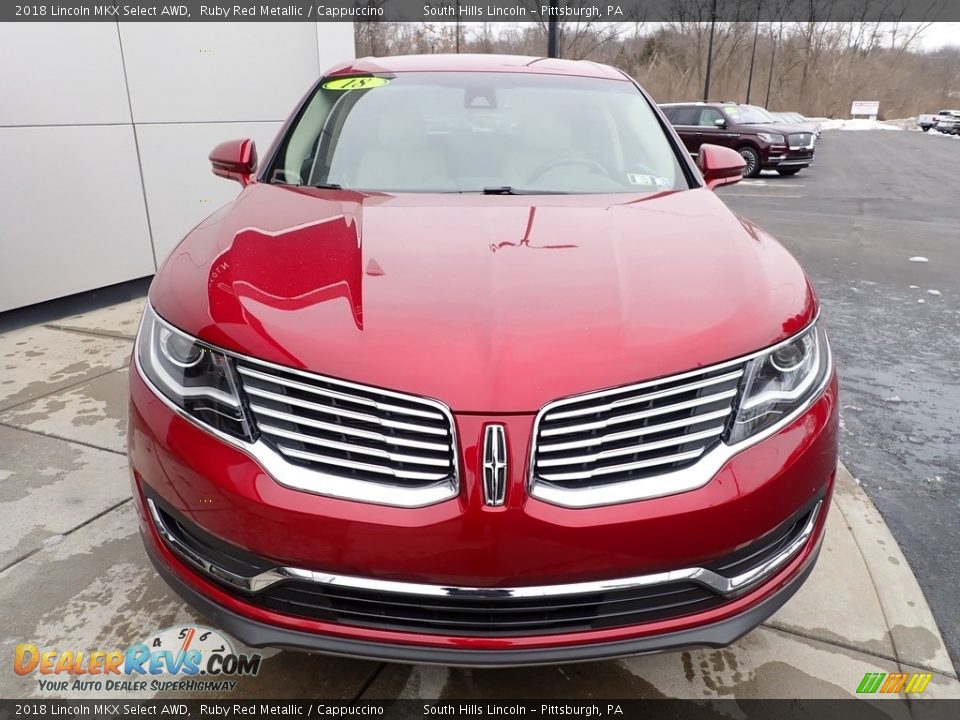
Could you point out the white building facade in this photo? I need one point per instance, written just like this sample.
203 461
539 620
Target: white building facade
105 130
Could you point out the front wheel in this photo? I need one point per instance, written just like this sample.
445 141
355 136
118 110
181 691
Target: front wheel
752 158
789 171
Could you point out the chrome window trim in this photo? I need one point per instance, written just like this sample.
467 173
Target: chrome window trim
296 477
678 481
720 584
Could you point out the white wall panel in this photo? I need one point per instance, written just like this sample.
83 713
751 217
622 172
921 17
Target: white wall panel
61 74
203 72
181 189
73 214
335 43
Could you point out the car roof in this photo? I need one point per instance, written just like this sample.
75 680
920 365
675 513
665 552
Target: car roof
691 103
476 63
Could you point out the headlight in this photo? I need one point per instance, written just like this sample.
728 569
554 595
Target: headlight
772 138
780 381
196 378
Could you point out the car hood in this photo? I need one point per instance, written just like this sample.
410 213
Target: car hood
785 128
488 303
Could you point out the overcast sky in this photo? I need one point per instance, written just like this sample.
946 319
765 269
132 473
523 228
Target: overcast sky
942 33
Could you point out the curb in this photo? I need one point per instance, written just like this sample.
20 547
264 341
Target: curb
913 630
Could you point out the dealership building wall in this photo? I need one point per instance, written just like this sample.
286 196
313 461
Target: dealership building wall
105 130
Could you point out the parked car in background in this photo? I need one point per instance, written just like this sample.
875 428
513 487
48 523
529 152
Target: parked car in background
523 395
927 121
762 141
948 122
795 118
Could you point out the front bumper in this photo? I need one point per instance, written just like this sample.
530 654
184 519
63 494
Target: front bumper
793 158
461 542
255 633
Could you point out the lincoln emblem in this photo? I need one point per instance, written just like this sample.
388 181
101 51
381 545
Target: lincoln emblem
494 465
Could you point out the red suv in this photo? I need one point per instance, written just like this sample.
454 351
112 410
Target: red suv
764 142
478 370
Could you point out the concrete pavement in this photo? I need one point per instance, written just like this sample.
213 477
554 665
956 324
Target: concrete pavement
872 201
73 574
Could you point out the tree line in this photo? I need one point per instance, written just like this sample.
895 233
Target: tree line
818 68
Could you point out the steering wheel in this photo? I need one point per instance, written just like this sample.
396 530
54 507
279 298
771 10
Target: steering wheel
559 162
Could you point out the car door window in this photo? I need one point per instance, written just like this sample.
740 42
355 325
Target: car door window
708 117
687 116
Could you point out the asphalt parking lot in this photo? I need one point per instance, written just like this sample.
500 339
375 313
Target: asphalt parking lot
874 200
73 574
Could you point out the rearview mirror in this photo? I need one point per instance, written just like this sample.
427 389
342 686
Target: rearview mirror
720 165
720 122
235 160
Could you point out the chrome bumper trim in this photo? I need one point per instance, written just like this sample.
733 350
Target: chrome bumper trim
720 584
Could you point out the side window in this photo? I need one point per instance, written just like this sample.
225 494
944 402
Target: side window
709 117
686 116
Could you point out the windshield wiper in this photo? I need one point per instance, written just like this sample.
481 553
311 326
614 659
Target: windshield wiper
328 186
509 190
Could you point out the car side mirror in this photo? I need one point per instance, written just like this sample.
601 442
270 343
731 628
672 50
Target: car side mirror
720 123
235 160
720 165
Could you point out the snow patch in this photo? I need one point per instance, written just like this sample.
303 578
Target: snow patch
919 258
859 124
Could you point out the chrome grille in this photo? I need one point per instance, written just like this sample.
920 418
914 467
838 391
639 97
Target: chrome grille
635 432
801 140
351 431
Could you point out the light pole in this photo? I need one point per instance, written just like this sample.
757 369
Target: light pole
552 46
773 57
753 56
713 22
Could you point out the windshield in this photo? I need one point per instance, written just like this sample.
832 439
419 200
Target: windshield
749 114
477 132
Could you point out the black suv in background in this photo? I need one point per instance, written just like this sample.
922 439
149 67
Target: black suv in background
764 143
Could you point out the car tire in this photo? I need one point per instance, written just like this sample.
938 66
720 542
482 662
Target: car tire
752 158
789 171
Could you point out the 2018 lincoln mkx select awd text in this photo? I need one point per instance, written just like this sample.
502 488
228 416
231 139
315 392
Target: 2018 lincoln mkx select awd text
477 369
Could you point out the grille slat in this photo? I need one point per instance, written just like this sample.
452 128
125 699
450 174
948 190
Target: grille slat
342 412
637 432
634 432
639 464
352 448
633 400
344 397
351 431
630 450
354 465
261 410
643 414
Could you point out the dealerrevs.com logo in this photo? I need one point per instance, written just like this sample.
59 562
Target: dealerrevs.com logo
187 658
